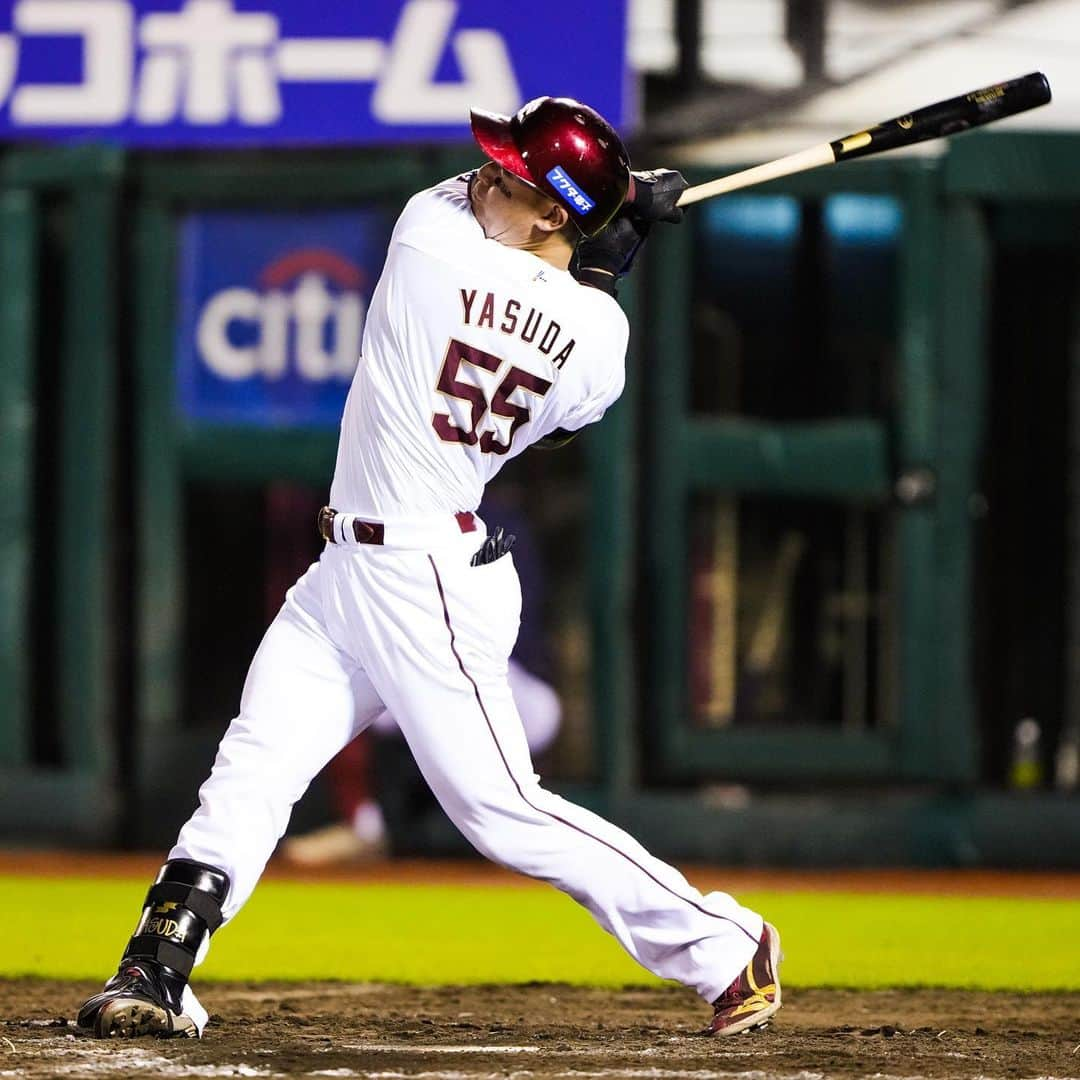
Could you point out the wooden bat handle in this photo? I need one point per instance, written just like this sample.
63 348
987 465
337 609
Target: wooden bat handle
810 158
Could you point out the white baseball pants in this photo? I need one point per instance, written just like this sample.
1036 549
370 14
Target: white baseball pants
538 706
427 636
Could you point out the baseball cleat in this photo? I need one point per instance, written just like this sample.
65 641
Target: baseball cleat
136 1001
754 996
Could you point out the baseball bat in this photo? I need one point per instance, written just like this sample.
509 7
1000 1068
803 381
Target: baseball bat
942 118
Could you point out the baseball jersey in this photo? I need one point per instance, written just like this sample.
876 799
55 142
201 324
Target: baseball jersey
472 350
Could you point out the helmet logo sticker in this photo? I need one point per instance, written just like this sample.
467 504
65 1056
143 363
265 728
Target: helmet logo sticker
570 191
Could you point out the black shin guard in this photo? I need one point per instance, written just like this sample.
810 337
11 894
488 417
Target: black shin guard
182 908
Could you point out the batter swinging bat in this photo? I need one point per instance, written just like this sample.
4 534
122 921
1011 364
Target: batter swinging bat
943 118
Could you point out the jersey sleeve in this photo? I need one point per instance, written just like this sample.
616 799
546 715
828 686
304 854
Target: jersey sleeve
437 210
604 373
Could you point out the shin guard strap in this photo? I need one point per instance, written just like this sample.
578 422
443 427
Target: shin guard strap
149 947
182 908
207 907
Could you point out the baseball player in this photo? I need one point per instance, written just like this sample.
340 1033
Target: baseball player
493 327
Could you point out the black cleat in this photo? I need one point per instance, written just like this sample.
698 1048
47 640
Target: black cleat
137 1001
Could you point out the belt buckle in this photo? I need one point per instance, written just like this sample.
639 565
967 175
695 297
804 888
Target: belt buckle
364 532
325 522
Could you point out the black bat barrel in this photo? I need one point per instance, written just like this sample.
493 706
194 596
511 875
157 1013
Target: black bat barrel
948 117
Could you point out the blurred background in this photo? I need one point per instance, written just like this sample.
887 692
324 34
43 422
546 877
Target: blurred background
809 595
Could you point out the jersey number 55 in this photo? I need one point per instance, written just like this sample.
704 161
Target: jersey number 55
449 385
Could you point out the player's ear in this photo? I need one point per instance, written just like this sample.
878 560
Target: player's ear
556 217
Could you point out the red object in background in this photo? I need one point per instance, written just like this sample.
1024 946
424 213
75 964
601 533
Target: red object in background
350 774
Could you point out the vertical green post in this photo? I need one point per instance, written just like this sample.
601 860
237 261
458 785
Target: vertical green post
84 593
666 359
612 466
915 585
18 294
157 484
965 303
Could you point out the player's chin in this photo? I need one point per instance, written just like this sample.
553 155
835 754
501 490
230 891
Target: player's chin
483 209
482 220
493 228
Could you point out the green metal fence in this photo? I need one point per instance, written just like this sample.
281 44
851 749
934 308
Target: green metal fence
920 464
18 227
74 377
854 460
65 535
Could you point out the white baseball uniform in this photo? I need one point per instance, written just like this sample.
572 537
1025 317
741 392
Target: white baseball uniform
472 351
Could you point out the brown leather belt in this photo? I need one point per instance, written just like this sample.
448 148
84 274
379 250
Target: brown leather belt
373 532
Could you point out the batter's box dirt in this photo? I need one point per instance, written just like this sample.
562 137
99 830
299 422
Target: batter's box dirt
461 1033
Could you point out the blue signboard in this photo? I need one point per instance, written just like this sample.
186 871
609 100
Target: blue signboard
280 72
272 310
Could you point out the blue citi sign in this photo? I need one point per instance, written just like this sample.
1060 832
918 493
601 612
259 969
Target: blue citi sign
272 310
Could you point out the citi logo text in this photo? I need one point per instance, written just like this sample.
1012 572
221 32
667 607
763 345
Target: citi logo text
307 315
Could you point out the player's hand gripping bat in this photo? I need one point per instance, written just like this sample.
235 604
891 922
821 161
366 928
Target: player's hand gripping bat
943 118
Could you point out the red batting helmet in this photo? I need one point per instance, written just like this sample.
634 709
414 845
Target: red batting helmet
564 149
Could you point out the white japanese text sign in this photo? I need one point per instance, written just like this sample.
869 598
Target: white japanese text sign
263 72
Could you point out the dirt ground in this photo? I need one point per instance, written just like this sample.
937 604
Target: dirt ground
461 1033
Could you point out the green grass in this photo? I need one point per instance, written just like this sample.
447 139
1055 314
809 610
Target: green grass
75 928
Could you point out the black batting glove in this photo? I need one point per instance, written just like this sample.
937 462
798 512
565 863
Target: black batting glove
655 194
602 259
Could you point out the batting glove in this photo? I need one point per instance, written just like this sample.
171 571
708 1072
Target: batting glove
602 259
653 195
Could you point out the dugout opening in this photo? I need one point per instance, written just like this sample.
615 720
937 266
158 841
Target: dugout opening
1026 512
